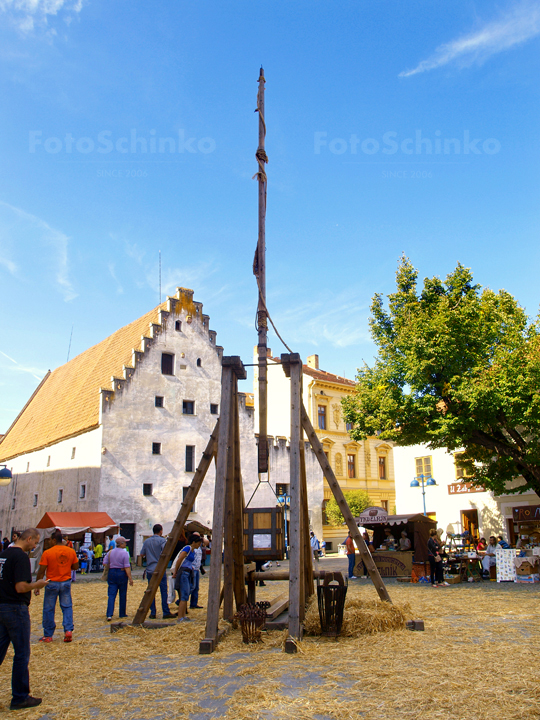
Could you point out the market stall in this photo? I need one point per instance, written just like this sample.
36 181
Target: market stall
76 525
393 562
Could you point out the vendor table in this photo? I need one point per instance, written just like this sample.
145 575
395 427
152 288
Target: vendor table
390 563
465 567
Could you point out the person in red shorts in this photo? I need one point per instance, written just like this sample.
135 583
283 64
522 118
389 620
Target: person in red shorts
58 562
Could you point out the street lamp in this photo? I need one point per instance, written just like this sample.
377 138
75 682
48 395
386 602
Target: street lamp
5 475
430 482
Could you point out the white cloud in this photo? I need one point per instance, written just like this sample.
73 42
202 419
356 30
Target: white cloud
27 14
9 264
340 320
517 26
112 270
22 368
55 239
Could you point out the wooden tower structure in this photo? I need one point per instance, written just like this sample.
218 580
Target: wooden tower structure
228 527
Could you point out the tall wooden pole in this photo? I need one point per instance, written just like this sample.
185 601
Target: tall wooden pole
259 269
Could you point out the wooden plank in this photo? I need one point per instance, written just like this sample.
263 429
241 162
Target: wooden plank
228 559
178 527
214 584
308 554
295 535
279 605
239 585
345 510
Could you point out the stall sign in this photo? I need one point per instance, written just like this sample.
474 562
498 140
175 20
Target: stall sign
526 513
391 564
372 515
87 538
464 487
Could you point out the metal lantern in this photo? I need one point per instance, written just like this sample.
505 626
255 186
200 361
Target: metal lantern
264 538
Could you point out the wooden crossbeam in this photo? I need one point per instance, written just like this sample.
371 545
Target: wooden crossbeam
343 506
178 527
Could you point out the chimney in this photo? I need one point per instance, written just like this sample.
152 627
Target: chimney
313 361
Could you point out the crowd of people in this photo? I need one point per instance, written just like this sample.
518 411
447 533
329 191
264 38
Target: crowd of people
56 572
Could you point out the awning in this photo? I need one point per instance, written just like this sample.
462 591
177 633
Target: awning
72 523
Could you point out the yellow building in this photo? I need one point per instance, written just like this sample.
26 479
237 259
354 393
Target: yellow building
367 465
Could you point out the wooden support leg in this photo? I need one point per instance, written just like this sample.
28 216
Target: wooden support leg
295 534
345 510
214 584
177 528
231 366
239 584
228 558
308 554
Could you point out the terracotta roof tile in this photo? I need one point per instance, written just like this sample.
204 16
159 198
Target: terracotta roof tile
327 377
67 402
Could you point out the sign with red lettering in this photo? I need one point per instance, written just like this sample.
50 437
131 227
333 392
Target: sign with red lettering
464 487
527 512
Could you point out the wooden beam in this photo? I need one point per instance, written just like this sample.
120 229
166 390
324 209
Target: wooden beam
178 527
295 534
278 605
239 584
228 558
214 584
345 510
307 563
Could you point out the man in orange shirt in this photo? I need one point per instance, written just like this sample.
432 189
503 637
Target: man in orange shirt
58 562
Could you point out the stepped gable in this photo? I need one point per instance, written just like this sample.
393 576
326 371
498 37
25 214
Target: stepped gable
68 400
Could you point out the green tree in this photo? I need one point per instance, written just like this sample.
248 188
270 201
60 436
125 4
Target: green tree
358 501
457 367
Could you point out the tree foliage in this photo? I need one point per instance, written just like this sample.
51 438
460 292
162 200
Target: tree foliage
358 501
457 367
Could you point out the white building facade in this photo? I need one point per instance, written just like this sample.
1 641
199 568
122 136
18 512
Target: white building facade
454 503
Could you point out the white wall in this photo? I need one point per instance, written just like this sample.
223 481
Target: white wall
34 473
493 512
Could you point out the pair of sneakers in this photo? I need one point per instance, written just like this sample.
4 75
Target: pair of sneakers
68 637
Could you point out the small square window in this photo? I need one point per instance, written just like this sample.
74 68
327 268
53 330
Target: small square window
178 326
156 448
27 467
60 495
49 461
147 489
82 491
73 450
213 409
188 407
159 401
190 455
35 501
167 363
199 362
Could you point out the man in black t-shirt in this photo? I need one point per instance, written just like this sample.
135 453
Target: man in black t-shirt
15 593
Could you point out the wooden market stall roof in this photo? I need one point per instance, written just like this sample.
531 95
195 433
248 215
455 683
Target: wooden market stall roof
75 522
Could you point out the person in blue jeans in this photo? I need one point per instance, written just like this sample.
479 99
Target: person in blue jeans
15 594
117 560
151 550
184 574
57 562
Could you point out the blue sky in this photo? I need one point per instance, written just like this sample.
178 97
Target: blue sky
392 127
